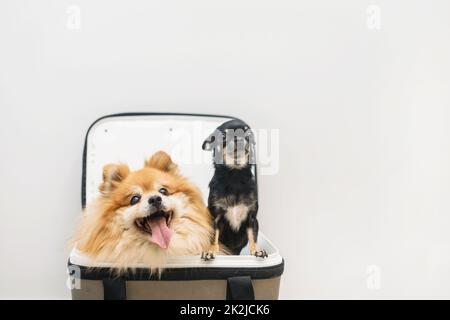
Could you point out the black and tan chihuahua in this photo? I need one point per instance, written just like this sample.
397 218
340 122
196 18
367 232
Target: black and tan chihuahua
233 198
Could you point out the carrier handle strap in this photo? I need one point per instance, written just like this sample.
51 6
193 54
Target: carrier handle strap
114 289
240 288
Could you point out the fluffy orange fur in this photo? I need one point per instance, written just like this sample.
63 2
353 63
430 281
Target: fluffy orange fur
107 232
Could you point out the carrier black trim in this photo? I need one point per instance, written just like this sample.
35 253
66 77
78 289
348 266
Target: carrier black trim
175 274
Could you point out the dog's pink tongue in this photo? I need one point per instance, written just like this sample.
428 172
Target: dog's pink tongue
161 233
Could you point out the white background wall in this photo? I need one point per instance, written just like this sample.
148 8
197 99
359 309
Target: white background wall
363 117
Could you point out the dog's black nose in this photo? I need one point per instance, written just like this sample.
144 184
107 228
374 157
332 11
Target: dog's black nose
155 201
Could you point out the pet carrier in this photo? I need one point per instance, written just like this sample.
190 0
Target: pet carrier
131 138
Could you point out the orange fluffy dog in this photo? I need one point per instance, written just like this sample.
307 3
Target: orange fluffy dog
143 216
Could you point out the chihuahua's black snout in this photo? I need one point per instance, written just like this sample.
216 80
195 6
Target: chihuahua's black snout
155 201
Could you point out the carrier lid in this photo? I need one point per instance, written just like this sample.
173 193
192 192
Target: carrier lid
132 138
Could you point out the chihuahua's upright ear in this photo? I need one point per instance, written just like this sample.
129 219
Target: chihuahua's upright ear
162 161
113 175
211 141
250 136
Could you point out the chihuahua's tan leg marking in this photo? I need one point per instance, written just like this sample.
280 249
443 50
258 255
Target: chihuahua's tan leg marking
215 246
213 249
251 241
252 245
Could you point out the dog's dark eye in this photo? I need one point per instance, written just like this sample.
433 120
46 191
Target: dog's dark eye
135 199
164 191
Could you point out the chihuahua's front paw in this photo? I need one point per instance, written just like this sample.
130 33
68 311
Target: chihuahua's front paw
260 254
211 253
208 255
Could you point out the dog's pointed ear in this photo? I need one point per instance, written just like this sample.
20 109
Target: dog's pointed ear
211 141
162 161
113 175
207 144
250 135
